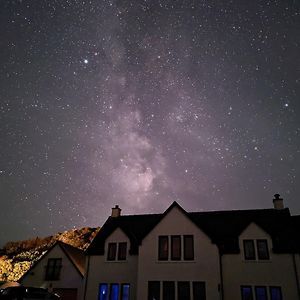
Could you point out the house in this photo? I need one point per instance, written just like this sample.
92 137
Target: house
60 269
180 255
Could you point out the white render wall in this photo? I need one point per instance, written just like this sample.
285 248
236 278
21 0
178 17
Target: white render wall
103 271
205 266
278 271
69 276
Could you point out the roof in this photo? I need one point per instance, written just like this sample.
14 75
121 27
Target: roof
222 227
75 255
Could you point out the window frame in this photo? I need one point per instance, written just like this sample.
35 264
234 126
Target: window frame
260 287
259 253
185 245
105 297
122 291
53 272
175 239
154 290
111 291
246 287
249 242
279 289
182 287
122 256
162 253
169 290
111 254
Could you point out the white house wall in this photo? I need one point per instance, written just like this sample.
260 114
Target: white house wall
69 276
277 271
103 271
204 267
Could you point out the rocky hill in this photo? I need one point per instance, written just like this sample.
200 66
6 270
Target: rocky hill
17 257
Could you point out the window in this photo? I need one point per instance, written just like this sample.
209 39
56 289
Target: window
53 269
176 247
153 290
261 293
247 293
168 290
111 291
262 249
249 250
114 292
183 290
122 251
103 291
125 291
188 241
275 293
112 251
199 291
163 248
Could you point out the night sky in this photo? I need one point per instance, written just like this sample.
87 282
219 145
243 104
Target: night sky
140 103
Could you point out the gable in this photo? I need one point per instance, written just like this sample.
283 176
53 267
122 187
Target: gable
254 231
71 257
176 221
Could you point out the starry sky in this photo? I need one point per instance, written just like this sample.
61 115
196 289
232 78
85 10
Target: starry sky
143 102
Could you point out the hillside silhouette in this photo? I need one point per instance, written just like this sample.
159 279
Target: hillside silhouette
17 257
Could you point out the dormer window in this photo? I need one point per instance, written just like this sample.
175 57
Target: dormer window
112 251
249 250
256 249
117 251
262 249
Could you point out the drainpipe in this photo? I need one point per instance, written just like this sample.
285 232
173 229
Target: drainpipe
221 275
297 275
86 277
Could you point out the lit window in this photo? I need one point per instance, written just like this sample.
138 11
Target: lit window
53 269
176 247
188 241
103 291
112 251
261 293
247 293
114 292
275 292
262 249
249 250
153 290
122 251
125 291
163 248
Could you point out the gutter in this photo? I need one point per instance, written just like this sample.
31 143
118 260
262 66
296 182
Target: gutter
296 274
221 276
86 278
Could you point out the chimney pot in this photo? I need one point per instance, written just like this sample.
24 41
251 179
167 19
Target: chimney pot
116 211
278 202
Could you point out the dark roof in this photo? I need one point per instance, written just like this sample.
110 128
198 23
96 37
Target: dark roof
222 227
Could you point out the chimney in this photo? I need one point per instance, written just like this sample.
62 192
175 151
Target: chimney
116 211
278 202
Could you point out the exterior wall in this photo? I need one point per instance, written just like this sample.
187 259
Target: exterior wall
103 271
204 267
69 276
277 271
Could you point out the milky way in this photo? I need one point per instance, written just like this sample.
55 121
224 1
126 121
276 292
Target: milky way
140 103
